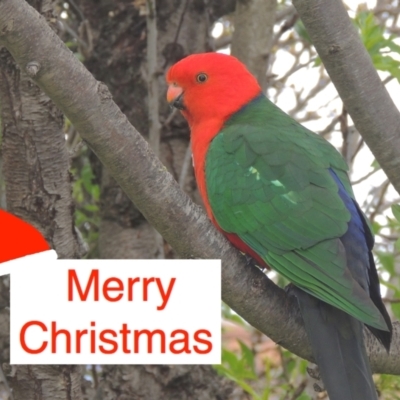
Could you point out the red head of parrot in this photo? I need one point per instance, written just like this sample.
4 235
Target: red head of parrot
210 86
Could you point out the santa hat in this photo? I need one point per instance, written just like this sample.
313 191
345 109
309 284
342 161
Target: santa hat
19 239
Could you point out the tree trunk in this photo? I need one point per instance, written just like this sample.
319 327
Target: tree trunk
252 37
175 382
38 190
35 158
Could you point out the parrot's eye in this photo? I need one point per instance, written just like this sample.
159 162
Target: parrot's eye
202 77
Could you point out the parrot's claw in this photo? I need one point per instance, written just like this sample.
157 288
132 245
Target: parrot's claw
250 262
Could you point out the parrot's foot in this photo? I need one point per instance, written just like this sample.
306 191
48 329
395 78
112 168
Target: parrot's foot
314 373
290 289
251 262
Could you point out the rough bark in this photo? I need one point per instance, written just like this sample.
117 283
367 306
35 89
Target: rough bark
2 185
4 352
4 335
176 382
35 158
252 37
45 382
146 181
355 78
123 233
38 189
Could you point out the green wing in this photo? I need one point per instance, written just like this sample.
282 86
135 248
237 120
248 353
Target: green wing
268 181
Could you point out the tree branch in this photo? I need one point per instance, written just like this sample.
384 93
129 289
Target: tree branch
252 37
153 96
88 105
152 78
355 78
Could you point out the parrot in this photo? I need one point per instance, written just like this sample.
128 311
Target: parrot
281 194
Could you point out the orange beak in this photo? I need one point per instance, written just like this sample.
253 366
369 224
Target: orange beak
175 96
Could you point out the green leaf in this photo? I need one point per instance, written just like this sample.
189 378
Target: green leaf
247 357
304 396
373 37
396 211
222 370
86 194
387 261
301 31
375 165
376 227
396 310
